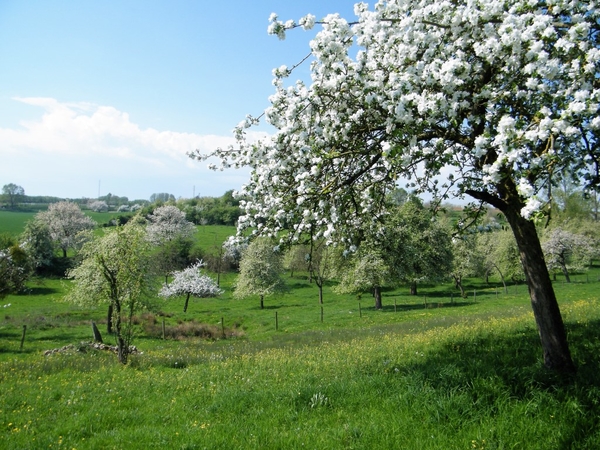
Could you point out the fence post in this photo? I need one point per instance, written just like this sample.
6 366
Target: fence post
395 309
359 310
321 314
222 328
23 338
276 322
163 328
474 295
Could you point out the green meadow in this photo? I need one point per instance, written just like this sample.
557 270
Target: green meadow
433 371
428 372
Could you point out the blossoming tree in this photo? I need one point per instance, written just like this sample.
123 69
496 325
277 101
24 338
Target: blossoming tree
488 99
115 270
65 220
567 252
190 282
168 223
169 230
260 271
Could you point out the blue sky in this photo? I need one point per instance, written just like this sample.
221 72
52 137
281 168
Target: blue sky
108 96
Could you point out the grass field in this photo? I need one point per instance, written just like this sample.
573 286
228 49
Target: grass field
430 372
13 222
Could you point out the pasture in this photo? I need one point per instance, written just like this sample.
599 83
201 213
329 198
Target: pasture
432 371
428 372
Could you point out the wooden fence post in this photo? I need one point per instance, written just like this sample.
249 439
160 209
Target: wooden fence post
321 314
163 328
23 338
276 322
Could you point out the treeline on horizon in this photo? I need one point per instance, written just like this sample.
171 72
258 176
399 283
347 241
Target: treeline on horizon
222 210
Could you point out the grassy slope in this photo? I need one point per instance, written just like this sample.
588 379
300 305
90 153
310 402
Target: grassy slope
427 372
467 375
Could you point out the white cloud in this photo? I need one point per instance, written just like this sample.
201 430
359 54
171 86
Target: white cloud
86 142
70 128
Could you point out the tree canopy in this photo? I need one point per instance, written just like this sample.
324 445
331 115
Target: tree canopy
114 270
167 223
65 220
494 100
12 193
191 282
260 271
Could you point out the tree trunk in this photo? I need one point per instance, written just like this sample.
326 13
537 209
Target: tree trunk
458 284
543 299
187 299
262 305
109 321
413 288
377 295
565 273
121 347
319 283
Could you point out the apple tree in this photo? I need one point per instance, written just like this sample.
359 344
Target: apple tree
487 99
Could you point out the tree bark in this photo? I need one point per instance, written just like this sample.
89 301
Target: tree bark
543 299
187 299
458 284
377 295
413 288
319 283
109 321
122 349
565 272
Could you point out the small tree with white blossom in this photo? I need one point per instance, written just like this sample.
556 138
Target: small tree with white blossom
65 221
260 271
566 251
191 282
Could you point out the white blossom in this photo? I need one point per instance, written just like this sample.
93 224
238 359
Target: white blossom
190 281
167 223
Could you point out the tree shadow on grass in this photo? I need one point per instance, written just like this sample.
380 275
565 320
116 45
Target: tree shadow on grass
38 291
399 307
508 367
298 285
